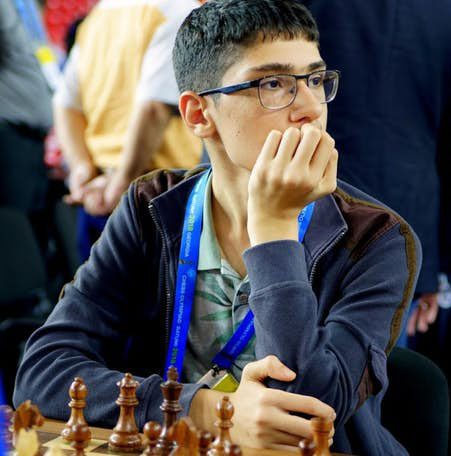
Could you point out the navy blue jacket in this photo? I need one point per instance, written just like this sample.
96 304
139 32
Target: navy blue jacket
392 115
330 309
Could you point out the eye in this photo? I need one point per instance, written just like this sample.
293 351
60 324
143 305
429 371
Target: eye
271 83
316 80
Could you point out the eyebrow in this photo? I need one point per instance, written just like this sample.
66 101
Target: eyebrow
286 67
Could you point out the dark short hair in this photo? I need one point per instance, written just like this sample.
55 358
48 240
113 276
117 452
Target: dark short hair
214 35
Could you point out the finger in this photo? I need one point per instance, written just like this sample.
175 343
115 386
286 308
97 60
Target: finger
422 324
290 424
284 438
310 138
432 313
287 147
293 402
328 183
412 323
283 448
269 148
322 155
270 366
69 199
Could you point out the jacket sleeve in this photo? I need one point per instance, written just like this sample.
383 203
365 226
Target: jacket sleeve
338 350
87 333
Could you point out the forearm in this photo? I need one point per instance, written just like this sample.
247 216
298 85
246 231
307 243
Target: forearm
70 126
145 134
330 354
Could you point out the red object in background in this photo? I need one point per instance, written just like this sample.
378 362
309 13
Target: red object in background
53 157
58 15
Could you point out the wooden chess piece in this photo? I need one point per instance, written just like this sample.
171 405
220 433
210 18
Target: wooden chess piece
307 447
81 435
125 436
321 428
171 407
205 439
184 433
152 431
233 450
6 420
77 393
224 412
26 416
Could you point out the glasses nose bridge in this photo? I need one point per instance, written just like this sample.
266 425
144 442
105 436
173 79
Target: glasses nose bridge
302 89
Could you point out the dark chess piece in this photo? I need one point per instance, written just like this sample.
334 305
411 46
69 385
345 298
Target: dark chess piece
224 412
6 421
171 407
26 416
205 439
184 433
321 428
81 435
125 436
306 447
77 392
152 431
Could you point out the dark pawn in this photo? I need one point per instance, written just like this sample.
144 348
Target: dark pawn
125 436
224 412
205 439
152 431
81 435
171 407
306 447
6 421
78 393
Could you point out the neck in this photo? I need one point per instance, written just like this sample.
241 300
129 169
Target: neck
229 209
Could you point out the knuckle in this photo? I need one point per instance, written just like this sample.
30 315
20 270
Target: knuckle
260 418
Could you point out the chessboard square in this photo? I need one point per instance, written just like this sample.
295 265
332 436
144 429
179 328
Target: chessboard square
59 441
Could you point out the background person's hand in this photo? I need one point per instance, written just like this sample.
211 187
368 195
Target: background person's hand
79 176
93 196
424 314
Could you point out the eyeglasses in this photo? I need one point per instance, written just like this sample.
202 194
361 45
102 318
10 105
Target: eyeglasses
279 91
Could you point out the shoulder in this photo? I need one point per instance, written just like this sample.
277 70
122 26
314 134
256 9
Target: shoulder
369 219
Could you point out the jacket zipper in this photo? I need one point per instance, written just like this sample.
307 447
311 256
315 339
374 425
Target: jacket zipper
326 250
169 303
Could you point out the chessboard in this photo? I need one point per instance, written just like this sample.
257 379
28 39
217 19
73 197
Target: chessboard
31 434
49 436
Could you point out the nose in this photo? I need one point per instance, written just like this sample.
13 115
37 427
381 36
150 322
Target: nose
306 105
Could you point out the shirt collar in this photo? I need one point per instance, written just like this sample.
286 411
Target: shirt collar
209 255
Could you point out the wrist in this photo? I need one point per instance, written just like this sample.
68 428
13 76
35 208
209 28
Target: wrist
267 229
202 409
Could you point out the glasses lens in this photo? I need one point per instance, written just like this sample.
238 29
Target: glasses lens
277 91
324 85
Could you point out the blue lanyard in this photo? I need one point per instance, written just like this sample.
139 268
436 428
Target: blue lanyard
31 19
186 284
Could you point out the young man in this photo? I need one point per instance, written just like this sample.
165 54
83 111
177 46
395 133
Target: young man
326 310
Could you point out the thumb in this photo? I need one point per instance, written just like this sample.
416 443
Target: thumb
270 366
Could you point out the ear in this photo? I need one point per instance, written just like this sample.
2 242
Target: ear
195 112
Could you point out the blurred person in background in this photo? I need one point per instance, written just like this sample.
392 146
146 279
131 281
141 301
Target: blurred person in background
391 119
25 118
116 108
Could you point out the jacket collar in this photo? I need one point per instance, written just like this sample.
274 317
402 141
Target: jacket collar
326 226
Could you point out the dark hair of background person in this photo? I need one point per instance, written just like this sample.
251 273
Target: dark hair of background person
69 38
205 47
